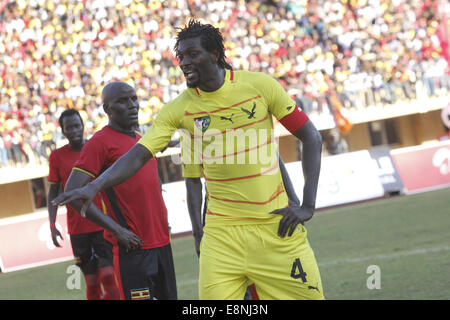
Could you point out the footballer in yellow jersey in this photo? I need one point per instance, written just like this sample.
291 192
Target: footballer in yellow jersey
251 234
238 150
243 188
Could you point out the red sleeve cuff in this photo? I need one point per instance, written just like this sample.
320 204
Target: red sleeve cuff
295 120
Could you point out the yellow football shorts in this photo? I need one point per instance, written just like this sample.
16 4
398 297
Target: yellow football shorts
235 256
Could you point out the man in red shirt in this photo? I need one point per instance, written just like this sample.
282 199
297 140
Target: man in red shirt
145 263
92 253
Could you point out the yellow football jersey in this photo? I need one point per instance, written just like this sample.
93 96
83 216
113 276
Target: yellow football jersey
228 135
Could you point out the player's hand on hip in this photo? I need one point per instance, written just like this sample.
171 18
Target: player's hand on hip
127 239
292 216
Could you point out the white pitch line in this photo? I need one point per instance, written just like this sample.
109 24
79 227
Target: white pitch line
386 256
187 282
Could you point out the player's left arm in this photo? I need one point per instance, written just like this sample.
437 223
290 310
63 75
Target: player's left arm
295 120
288 186
298 123
311 160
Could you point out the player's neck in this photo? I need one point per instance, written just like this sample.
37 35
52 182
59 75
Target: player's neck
77 146
127 131
216 82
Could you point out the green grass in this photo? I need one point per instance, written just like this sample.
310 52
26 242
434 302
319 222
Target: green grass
50 282
406 237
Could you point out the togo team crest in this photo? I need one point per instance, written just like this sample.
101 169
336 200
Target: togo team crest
202 122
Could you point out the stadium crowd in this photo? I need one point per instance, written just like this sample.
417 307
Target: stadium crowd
59 54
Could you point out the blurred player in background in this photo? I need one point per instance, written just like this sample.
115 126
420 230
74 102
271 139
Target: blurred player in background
144 254
92 253
251 234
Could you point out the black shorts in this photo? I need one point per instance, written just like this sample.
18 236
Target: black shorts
148 274
91 251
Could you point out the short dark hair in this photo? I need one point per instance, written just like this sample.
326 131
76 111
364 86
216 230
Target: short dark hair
210 37
68 113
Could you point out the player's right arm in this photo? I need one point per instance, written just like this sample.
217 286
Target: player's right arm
79 179
54 180
194 203
123 169
155 139
53 192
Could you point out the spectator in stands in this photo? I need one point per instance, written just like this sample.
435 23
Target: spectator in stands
335 143
3 153
56 54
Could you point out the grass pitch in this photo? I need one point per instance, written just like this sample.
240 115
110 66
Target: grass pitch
406 238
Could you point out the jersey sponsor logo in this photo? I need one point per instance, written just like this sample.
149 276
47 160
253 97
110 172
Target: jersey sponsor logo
228 119
314 288
251 114
140 294
202 122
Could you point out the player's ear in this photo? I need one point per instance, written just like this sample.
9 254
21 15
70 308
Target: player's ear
214 56
106 108
82 122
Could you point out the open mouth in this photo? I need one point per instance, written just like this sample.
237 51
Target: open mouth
75 138
190 75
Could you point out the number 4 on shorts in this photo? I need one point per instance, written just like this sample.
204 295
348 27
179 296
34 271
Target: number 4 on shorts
297 271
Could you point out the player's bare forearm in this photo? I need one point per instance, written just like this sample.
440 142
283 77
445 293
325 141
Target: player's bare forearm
290 191
126 238
94 214
52 194
79 179
311 161
52 212
124 168
194 203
